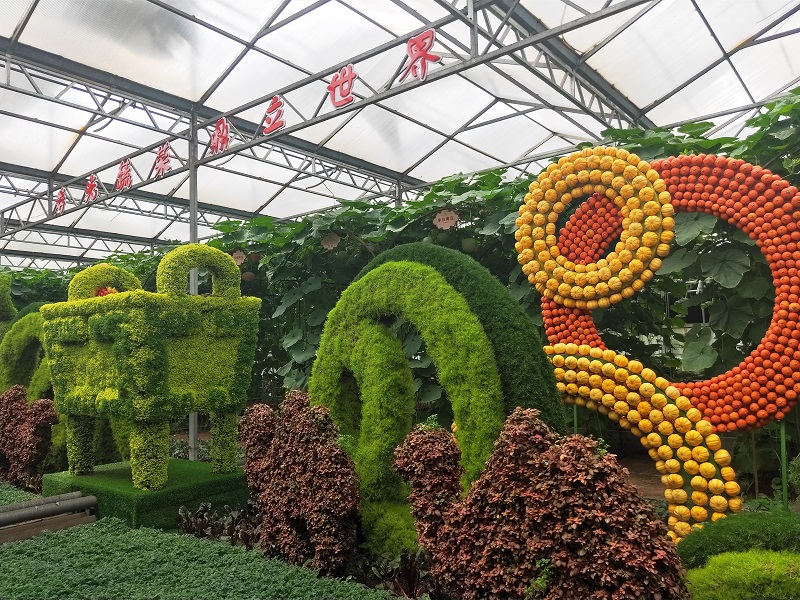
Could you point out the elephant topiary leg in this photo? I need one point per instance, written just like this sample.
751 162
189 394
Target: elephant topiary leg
80 444
224 451
149 444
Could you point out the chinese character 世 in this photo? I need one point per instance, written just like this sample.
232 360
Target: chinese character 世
90 195
273 120
343 82
220 138
418 55
162 164
61 202
124 179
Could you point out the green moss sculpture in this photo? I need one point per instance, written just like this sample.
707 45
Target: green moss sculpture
525 373
145 358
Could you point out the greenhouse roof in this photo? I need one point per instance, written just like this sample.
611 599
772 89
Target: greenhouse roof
286 108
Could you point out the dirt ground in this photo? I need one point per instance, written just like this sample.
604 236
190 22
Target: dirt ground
643 475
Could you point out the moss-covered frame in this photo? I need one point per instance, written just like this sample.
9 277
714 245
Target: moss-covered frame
487 352
148 357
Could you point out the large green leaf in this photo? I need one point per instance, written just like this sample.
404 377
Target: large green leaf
698 356
677 261
726 267
730 316
754 288
689 226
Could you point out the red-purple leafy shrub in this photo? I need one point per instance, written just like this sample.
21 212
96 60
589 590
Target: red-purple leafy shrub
549 518
24 435
305 484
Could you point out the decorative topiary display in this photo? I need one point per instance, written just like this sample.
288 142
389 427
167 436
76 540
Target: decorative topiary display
305 483
24 435
549 518
525 375
145 357
362 375
575 274
21 354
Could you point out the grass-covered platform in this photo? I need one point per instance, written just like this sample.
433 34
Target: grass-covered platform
189 483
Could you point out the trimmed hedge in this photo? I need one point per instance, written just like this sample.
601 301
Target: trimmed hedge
525 373
779 530
753 575
146 357
106 560
355 340
190 483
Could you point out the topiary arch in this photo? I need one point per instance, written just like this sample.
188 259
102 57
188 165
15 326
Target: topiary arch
363 377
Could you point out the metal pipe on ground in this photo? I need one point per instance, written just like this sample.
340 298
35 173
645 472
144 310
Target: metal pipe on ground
39 501
48 509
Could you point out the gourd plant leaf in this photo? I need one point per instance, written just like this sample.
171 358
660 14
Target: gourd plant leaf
725 266
689 226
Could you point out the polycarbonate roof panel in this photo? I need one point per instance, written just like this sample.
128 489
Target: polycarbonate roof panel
326 36
376 132
445 104
134 39
657 58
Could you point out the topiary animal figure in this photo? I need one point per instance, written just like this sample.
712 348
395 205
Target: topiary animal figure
550 517
305 484
24 435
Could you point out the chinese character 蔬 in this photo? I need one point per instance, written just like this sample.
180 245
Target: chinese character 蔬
124 180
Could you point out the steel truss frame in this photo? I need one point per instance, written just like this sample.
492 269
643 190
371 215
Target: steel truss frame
500 32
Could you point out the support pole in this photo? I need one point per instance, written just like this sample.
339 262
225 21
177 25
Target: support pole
784 468
193 239
575 418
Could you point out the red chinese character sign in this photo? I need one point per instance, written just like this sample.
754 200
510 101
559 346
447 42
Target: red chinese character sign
61 202
90 194
220 138
124 179
162 164
419 55
273 120
340 89
445 219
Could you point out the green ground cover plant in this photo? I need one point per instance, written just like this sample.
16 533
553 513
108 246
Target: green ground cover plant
10 494
774 530
106 561
753 575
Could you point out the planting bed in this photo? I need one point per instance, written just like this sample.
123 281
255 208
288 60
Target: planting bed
189 484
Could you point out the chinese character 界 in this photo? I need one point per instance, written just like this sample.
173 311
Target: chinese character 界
273 120
90 195
343 82
124 180
418 55
162 164
61 202
220 138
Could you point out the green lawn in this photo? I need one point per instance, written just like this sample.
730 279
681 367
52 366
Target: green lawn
107 560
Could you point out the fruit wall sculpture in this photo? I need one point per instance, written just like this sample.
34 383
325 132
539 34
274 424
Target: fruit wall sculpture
634 201
145 358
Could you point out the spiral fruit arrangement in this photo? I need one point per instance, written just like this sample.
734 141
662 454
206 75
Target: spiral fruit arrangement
630 199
